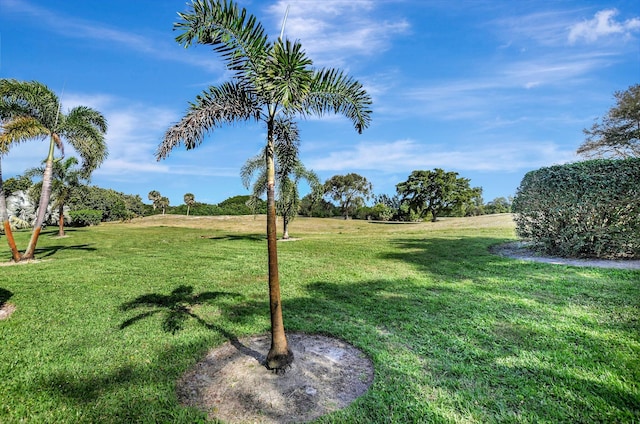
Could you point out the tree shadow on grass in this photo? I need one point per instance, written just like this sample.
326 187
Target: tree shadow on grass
177 309
237 237
45 252
4 296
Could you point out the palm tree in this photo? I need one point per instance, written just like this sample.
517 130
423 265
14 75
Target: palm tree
270 80
189 200
34 111
163 203
154 196
288 165
65 179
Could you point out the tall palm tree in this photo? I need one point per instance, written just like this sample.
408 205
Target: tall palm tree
289 171
66 177
34 111
163 203
270 80
189 200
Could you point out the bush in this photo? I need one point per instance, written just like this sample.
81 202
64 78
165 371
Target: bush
85 217
585 209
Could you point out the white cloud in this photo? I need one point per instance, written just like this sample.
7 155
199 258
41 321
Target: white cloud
602 25
332 31
407 155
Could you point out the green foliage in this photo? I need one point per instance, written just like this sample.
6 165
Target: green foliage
498 205
585 209
437 193
113 205
237 205
15 184
617 135
350 191
85 217
312 205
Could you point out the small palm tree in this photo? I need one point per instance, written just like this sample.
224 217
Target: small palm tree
270 80
154 196
289 171
65 178
32 110
189 200
163 203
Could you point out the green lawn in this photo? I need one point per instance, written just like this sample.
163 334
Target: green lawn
455 333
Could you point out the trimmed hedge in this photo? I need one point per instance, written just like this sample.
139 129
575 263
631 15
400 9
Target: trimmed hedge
85 217
584 209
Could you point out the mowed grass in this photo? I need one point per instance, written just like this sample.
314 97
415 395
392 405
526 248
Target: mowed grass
111 316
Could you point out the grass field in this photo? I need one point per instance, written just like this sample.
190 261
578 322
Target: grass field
456 335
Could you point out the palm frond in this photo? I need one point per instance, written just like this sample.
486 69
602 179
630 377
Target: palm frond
251 167
20 129
237 36
85 128
333 91
224 104
30 98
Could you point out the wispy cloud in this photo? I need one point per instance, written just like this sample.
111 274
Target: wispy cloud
331 31
408 155
85 29
603 25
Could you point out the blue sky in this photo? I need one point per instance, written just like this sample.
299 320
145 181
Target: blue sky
489 89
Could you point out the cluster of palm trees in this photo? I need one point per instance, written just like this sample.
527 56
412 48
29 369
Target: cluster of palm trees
30 110
272 82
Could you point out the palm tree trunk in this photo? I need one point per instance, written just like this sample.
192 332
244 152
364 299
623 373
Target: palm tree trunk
279 356
61 220
15 254
285 227
45 196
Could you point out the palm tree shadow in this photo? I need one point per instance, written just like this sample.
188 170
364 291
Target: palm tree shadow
177 307
45 252
4 296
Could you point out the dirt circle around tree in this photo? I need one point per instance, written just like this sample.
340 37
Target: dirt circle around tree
231 383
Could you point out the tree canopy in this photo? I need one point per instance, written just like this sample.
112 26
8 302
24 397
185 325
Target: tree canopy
617 134
350 191
435 192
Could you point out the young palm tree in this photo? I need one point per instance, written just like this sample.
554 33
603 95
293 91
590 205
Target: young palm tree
32 110
189 200
154 196
289 171
65 178
270 80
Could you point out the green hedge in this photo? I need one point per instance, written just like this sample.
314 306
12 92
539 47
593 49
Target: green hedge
584 209
85 217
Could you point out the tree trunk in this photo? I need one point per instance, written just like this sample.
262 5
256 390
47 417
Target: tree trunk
285 227
15 254
279 356
45 196
61 220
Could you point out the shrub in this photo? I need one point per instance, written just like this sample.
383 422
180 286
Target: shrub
584 209
85 217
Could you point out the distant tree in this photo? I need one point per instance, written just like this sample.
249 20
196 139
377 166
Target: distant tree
499 205
314 205
435 192
155 197
617 135
18 183
32 110
189 200
65 178
113 205
350 191
269 80
163 203
289 170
